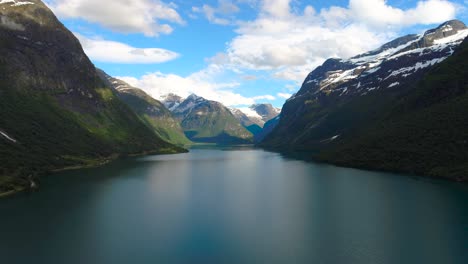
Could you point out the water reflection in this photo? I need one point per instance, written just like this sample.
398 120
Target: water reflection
235 206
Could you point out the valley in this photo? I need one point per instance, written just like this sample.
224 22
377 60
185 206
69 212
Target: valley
234 132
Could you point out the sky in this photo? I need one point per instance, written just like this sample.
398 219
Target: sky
238 52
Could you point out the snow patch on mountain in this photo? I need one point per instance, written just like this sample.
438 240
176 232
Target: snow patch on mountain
189 103
418 66
458 37
250 112
5 135
399 58
16 3
171 101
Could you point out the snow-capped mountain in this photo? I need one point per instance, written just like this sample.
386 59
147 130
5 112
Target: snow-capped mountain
394 64
392 68
171 101
265 111
257 114
187 105
401 107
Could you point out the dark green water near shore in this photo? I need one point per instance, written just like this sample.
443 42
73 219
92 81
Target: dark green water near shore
234 206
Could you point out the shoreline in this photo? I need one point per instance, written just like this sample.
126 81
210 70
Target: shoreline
11 192
21 187
313 158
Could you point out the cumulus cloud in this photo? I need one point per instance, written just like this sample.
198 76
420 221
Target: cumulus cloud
117 52
284 95
265 97
290 43
378 13
202 83
136 16
221 14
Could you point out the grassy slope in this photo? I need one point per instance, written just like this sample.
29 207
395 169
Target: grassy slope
160 120
50 137
215 125
55 106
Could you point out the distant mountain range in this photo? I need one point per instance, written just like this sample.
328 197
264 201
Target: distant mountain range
211 122
396 108
254 117
206 121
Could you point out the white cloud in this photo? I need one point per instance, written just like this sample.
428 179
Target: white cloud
290 43
295 73
378 13
284 95
221 14
430 12
117 52
265 97
277 8
291 87
136 16
202 83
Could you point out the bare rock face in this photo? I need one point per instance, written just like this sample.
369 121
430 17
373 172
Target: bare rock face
43 55
445 30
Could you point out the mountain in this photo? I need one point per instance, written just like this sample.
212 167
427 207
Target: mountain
257 114
255 118
151 111
267 129
266 111
381 109
206 121
251 123
55 111
171 101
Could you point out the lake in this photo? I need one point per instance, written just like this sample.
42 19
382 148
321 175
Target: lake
234 206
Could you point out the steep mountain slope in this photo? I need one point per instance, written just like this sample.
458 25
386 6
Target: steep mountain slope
210 122
252 123
151 111
341 100
267 129
54 109
266 111
424 131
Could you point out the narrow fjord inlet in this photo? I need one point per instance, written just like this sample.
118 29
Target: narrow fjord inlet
233 132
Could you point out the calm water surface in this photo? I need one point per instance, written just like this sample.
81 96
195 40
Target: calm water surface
234 206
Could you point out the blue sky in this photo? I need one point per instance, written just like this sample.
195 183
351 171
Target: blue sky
238 52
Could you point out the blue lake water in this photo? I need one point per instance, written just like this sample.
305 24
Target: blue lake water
234 206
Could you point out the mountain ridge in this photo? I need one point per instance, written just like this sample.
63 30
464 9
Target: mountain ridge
54 105
340 98
151 111
206 121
